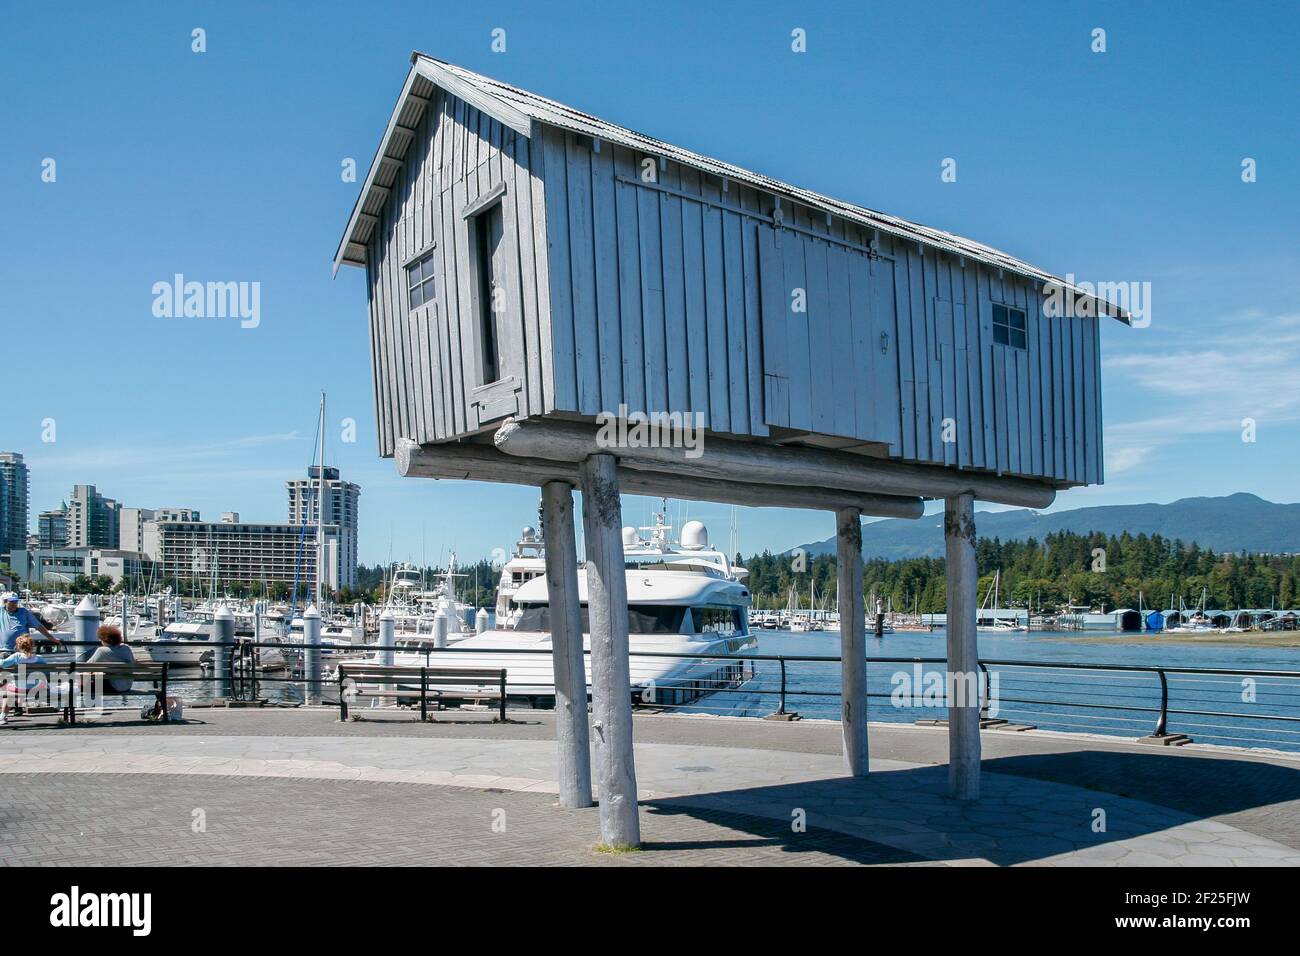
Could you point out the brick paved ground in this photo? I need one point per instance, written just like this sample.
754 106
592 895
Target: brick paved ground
130 820
704 770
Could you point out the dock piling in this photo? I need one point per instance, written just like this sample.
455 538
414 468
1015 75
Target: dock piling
572 734
963 651
311 668
853 641
223 643
611 678
85 628
387 637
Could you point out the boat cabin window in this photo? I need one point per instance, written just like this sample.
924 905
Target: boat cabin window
641 619
717 620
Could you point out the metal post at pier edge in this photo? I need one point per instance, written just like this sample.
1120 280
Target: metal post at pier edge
781 708
85 628
963 651
984 689
1162 723
572 733
223 650
311 655
611 679
853 641
387 637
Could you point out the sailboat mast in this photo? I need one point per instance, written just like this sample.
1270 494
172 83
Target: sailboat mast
320 510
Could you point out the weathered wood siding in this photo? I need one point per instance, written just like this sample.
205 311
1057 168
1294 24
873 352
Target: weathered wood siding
678 295
654 287
425 363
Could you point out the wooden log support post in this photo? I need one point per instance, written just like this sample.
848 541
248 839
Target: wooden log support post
963 651
853 641
611 680
572 736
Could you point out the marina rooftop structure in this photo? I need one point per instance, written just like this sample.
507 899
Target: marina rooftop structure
135 520
236 552
535 272
61 565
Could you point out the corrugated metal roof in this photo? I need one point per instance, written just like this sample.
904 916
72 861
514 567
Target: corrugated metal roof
513 104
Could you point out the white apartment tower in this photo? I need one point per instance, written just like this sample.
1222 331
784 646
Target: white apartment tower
340 499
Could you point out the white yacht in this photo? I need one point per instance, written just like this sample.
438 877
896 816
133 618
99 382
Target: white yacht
182 642
683 598
524 565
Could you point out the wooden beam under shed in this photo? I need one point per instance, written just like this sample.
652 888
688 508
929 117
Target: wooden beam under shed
787 469
485 463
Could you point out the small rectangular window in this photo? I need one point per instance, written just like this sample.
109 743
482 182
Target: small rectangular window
419 280
1010 327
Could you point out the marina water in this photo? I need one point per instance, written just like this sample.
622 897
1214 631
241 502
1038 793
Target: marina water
1121 703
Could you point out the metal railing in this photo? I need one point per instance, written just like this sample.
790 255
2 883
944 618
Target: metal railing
1127 699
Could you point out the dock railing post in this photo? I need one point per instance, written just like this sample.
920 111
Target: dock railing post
853 641
781 707
611 680
572 733
963 651
387 637
1162 724
441 627
223 623
85 628
311 657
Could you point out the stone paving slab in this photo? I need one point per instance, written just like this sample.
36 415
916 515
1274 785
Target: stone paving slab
165 820
901 805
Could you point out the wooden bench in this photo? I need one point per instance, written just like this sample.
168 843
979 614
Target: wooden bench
424 684
144 671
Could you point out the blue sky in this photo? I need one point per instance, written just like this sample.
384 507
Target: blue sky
225 165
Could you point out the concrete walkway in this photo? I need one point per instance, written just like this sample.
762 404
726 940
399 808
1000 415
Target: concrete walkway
781 784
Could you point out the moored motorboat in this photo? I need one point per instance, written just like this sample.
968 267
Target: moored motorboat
684 598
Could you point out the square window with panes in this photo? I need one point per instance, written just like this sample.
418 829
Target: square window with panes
419 280
1009 327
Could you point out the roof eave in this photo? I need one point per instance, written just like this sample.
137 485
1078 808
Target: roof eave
340 254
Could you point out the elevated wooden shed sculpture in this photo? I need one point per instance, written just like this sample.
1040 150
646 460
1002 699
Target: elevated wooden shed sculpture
533 270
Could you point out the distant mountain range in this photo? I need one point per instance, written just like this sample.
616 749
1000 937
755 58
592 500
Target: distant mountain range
1240 522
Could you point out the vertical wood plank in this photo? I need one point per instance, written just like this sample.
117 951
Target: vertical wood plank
715 307
697 342
582 266
798 365
652 300
676 350
733 281
773 313
604 202
819 336
561 274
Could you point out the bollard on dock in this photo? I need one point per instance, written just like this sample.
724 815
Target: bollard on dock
311 656
387 637
223 647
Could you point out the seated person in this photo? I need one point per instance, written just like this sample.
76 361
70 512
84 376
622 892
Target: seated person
113 651
25 656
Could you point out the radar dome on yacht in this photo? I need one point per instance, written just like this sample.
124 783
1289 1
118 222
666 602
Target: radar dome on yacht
529 533
695 536
629 536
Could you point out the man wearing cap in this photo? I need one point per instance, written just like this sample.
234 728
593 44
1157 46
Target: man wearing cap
15 621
